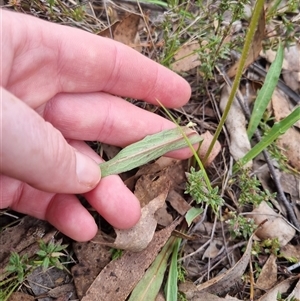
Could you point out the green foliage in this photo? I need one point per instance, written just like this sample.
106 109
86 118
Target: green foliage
20 266
206 24
116 253
198 190
49 254
280 298
17 265
251 192
240 226
267 246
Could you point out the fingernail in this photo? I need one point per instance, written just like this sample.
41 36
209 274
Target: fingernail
87 170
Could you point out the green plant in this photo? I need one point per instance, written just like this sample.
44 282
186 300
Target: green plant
240 226
49 254
18 265
204 23
250 187
116 253
199 191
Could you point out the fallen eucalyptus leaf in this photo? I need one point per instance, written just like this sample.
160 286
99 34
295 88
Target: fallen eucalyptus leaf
138 237
148 149
119 277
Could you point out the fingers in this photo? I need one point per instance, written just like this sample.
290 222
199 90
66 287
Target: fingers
63 211
106 118
35 152
115 202
77 61
111 198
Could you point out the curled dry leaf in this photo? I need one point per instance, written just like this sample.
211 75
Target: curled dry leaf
236 126
274 227
138 237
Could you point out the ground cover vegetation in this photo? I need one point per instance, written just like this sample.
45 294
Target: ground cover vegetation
226 222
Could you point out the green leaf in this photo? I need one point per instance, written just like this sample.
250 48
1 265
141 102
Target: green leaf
171 288
148 149
192 214
265 93
149 285
278 129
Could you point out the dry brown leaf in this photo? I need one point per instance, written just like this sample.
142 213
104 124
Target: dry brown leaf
236 126
186 58
223 282
281 106
291 251
295 293
19 296
178 202
289 142
274 227
268 276
148 186
281 288
119 277
207 139
125 31
163 217
138 237
92 257
255 48
193 294
213 249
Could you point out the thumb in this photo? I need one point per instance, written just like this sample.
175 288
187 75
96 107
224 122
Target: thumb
33 151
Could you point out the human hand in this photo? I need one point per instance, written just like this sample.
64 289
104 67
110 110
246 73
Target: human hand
58 90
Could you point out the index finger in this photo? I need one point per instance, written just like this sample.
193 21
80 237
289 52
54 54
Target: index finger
83 62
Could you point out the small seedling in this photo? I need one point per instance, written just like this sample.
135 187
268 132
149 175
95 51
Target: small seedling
49 254
241 226
18 265
251 192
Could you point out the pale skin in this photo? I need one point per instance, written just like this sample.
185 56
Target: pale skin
61 86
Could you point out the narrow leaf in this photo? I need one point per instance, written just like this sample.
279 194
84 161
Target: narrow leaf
171 288
265 93
148 149
279 128
148 287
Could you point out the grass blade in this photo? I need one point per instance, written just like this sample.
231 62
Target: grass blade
171 288
148 287
265 94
